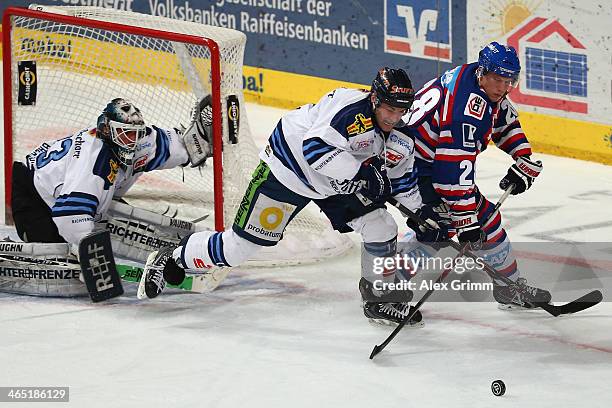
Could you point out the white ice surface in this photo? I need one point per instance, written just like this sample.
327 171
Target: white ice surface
296 336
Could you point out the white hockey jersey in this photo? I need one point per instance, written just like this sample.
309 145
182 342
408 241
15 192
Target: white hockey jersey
317 150
78 176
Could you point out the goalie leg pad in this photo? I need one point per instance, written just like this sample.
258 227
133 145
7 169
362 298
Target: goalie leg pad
40 279
98 267
39 269
136 232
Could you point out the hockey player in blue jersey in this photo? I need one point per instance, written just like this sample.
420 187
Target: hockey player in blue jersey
347 156
453 119
65 186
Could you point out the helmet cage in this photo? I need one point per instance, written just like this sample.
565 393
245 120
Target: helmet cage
125 137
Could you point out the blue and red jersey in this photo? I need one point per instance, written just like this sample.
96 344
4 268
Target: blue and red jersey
452 121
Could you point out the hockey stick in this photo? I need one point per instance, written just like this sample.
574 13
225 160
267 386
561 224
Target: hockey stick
462 250
584 302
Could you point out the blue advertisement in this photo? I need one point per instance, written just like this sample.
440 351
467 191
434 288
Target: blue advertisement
345 40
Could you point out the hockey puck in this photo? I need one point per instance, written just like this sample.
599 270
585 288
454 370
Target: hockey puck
498 388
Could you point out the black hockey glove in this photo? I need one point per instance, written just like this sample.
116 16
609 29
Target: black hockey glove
468 229
521 174
377 184
437 224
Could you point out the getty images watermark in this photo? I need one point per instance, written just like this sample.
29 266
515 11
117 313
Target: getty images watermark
409 266
416 268
562 268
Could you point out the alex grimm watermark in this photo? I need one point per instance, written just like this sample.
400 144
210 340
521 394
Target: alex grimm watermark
560 267
417 269
34 394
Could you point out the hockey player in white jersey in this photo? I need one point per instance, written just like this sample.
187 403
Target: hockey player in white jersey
344 154
67 185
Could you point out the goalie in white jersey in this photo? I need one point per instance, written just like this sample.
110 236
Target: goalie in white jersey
67 185
344 154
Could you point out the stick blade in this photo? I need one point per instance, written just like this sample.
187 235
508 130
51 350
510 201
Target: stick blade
589 300
584 302
377 349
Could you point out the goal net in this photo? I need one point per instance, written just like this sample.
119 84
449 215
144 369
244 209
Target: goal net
64 64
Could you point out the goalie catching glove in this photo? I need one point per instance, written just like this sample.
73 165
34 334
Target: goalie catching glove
521 174
198 136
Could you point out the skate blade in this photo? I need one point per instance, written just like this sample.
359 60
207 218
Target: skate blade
140 293
385 322
514 308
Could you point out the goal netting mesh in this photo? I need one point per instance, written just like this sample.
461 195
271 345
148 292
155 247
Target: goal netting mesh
79 69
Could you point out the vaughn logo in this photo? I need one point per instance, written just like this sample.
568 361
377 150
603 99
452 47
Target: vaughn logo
182 224
11 247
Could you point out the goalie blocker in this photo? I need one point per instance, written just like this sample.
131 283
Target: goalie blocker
98 267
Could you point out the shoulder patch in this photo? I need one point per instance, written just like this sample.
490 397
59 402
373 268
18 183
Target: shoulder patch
360 125
113 170
475 106
106 167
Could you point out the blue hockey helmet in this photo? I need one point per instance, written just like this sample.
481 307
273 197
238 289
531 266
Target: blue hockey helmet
121 125
501 60
393 87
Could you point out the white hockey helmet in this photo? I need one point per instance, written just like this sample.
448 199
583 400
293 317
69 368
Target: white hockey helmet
121 124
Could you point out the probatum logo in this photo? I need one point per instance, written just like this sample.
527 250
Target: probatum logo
419 28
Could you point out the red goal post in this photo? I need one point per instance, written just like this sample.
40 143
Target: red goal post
12 12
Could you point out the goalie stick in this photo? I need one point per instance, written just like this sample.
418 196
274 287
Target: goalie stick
584 302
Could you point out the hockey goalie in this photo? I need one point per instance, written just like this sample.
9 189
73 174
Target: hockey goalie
66 200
